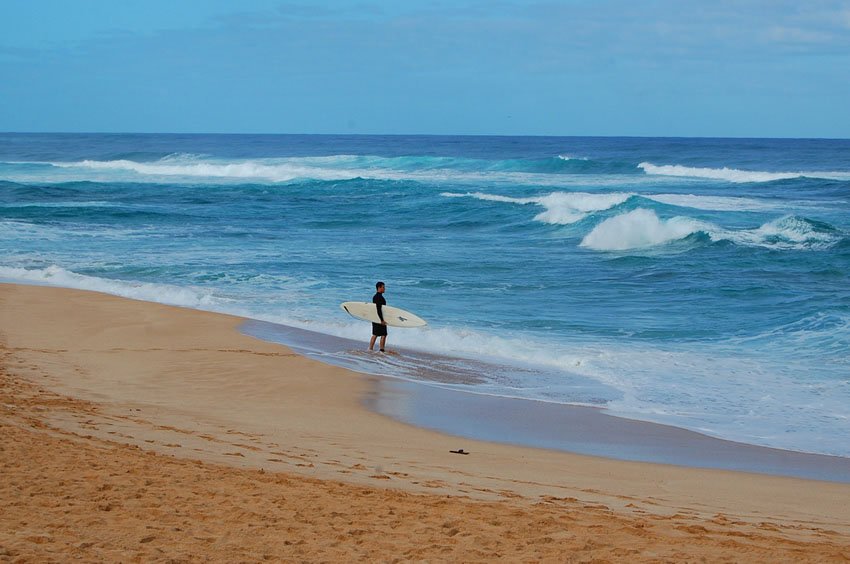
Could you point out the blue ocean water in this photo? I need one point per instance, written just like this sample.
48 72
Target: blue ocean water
701 283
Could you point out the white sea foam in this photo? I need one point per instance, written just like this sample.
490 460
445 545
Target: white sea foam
561 208
490 197
714 203
161 293
204 169
785 233
463 342
822 336
639 229
569 207
751 398
572 158
648 382
643 229
330 168
638 381
735 175
247 170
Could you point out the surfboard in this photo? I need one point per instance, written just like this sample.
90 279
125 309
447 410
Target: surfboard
395 317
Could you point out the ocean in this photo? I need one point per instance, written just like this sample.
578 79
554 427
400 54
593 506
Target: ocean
698 283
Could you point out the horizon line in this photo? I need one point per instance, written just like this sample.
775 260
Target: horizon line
742 137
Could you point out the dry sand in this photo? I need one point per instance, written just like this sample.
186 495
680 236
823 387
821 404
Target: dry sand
132 431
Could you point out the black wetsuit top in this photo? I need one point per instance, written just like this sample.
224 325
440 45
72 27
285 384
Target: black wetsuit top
379 301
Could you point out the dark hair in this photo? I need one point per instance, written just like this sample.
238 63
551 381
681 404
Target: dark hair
378 285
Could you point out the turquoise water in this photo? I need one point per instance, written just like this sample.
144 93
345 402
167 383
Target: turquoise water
701 283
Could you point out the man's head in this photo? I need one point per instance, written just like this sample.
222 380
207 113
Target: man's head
380 286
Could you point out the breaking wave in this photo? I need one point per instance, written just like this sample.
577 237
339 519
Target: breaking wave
735 175
638 229
643 229
561 208
564 208
247 170
787 233
198 168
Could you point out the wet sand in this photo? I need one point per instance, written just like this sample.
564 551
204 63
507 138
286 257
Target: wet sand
139 432
415 396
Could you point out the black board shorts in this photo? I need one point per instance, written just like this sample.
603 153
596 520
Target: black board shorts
379 330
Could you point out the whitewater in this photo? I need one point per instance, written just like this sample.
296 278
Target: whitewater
700 283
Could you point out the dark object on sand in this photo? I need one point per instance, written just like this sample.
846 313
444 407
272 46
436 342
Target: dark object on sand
459 451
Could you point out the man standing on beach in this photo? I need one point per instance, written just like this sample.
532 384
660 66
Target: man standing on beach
379 329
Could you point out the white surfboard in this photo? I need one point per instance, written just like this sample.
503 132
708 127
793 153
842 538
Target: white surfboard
395 317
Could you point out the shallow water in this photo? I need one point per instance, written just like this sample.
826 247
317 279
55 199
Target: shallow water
700 283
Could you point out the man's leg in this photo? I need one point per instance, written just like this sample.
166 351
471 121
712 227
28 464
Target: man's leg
372 343
383 342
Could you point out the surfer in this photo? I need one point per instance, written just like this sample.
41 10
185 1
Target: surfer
379 329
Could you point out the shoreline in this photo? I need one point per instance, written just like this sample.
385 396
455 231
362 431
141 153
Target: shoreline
110 401
419 400
589 431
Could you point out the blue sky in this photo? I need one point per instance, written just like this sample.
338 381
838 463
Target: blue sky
757 68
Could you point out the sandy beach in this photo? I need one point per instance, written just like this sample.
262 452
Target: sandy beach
139 432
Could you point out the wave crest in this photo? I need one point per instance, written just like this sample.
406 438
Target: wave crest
562 208
639 229
247 170
786 233
643 229
735 175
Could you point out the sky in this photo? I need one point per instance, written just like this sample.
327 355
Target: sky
713 68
